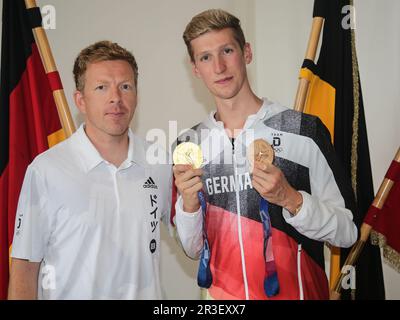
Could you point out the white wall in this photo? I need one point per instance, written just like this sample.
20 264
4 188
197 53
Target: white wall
278 31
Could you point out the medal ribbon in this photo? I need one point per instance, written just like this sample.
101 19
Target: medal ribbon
271 283
204 276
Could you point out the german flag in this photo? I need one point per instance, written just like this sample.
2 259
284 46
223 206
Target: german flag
335 96
29 122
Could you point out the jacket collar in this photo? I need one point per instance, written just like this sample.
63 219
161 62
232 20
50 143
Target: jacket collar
261 114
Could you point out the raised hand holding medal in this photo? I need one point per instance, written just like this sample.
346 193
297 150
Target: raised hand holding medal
188 158
189 183
269 180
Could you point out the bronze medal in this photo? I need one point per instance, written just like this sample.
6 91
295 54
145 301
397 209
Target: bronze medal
261 151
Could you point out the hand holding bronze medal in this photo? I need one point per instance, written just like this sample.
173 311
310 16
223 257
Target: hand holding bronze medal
190 153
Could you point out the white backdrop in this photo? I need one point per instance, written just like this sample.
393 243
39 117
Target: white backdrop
278 31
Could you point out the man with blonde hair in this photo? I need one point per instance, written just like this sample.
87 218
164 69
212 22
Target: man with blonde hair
259 228
88 219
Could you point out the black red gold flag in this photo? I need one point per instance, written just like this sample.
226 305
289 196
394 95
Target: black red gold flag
335 96
29 122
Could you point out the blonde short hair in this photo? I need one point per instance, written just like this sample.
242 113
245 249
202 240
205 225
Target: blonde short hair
213 19
101 51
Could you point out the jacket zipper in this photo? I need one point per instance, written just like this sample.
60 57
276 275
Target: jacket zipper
300 282
246 288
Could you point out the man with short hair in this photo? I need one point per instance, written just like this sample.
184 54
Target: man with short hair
88 218
265 227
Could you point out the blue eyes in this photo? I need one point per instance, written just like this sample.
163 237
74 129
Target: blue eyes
123 87
207 57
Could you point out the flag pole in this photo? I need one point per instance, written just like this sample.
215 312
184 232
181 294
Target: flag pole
299 105
365 232
311 53
50 68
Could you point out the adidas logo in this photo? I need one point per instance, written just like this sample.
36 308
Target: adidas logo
150 184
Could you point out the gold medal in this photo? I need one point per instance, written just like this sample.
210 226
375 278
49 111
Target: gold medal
261 151
188 153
